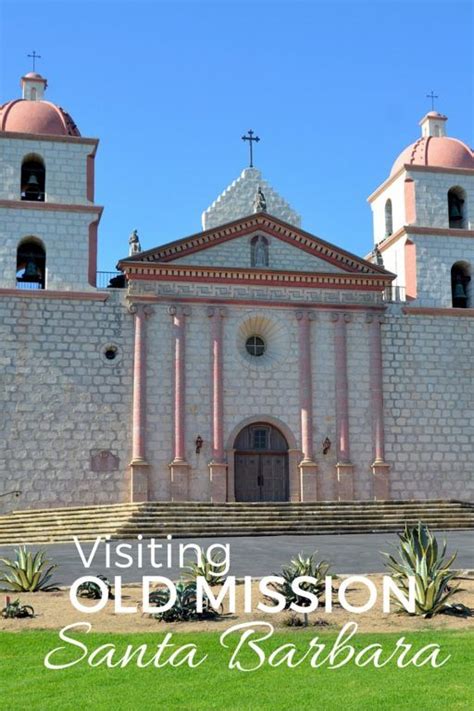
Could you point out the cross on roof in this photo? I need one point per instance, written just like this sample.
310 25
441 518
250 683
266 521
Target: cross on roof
432 96
34 57
251 138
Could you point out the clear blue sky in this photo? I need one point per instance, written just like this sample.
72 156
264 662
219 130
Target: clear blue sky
335 91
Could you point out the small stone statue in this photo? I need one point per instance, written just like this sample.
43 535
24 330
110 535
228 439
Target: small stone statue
377 257
134 244
259 204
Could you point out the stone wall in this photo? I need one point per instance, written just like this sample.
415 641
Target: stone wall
65 163
65 237
63 402
238 200
435 256
429 414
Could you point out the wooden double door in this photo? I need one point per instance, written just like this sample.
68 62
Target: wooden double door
261 464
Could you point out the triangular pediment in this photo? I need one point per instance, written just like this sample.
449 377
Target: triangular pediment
290 249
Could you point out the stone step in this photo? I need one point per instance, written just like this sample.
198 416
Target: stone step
187 506
193 520
209 533
180 510
233 519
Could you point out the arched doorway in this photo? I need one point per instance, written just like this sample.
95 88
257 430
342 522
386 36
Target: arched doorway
261 464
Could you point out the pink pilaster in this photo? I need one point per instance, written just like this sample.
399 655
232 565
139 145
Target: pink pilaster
179 468
308 467
344 469
217 466
139 464
380 468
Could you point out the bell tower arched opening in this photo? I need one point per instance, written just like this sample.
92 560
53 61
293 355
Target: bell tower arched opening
461 285
31 264
33 179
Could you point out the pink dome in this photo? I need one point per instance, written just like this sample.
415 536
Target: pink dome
436 152
38 117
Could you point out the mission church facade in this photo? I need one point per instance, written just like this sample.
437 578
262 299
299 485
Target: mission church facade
251 361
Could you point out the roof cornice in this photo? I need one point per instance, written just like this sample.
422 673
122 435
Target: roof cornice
247 225
45 137
159 271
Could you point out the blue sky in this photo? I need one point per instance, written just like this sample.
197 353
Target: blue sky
334 90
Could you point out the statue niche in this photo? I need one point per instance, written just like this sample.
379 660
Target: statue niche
259 252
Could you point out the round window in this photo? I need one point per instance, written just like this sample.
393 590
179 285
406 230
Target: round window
255 346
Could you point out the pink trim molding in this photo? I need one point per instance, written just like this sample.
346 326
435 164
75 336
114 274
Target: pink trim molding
179 468
380 468
308 467
138 465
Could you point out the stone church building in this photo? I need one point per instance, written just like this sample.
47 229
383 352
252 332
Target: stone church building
251 361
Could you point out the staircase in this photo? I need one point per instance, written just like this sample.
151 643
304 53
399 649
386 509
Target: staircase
233 519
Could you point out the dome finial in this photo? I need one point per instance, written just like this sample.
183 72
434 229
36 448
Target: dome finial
34 57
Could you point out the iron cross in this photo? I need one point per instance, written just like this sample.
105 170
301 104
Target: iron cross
251 138
432 96
34 57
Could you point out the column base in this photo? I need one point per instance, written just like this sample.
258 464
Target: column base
308 480
139 469
345 481
179 475
381 486
218 481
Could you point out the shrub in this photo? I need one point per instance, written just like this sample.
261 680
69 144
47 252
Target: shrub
92 590
420 557
184 609
207 570
29 572
16 610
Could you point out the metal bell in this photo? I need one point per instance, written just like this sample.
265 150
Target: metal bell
459 291
32 181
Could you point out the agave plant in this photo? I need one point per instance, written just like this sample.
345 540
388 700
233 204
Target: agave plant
29 572
207 569
419 557
184 609
15 609
92 590
298 567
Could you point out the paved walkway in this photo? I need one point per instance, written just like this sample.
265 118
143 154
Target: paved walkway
255 556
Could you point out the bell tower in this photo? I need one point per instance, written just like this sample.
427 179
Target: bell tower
48 218
423 216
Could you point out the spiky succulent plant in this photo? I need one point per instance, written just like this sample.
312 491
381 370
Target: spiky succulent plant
419 556
29 572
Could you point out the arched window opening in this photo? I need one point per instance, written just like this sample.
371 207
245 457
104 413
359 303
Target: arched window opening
259 251
33 179
461 285
33 94
31 265
388 218
456 207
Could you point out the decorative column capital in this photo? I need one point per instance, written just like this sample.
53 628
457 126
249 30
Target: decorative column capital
139 308
341 316
175 310
375 318
216 311
305 315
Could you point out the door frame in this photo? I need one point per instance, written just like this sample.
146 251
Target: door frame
294 454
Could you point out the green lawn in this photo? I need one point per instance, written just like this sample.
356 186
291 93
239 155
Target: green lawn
26 684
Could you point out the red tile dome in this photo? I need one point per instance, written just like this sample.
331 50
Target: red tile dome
36 117
436 152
